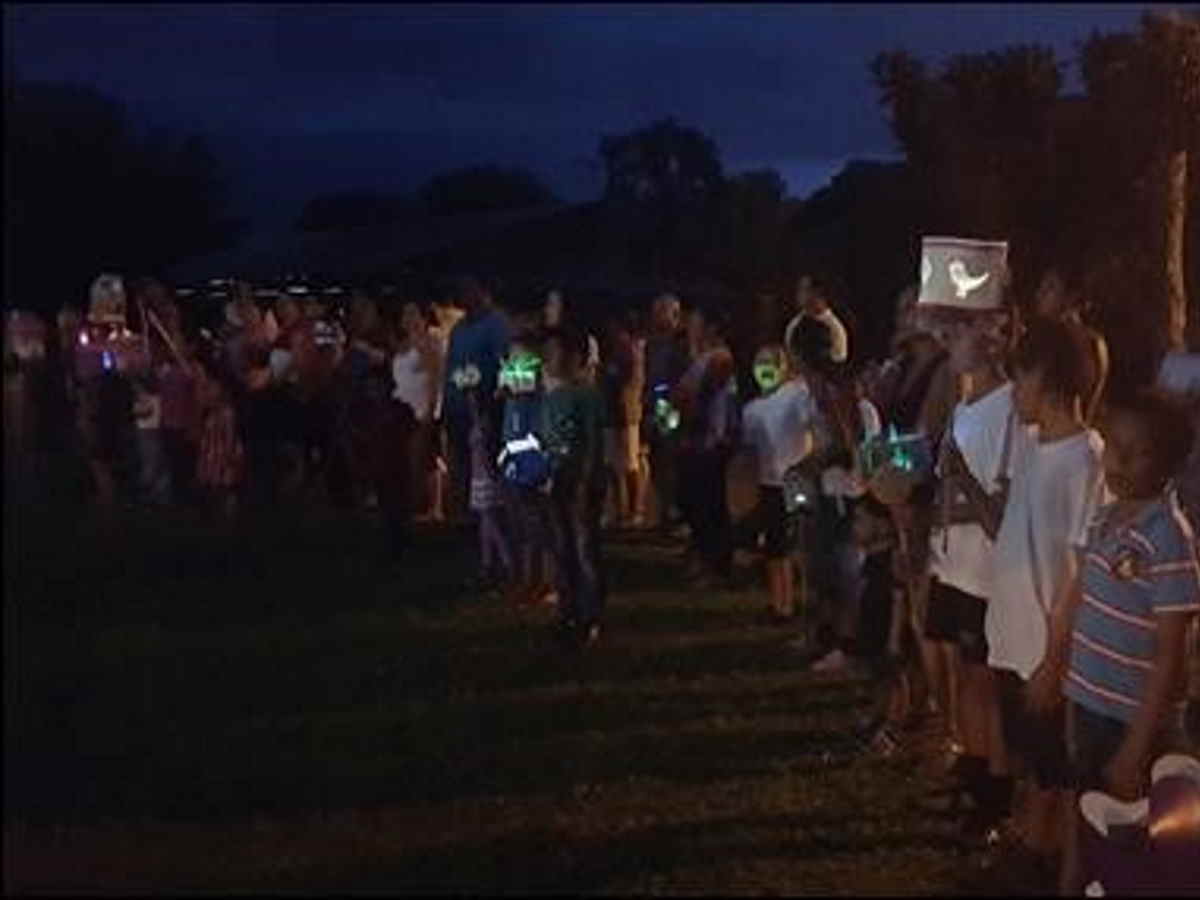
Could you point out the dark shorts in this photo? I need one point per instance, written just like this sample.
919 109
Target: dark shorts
1095 740
956 617
778 527
1039 740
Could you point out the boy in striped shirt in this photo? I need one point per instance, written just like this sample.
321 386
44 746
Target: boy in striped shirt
1121 641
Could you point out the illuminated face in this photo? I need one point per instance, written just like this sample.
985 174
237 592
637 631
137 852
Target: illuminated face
519 371
768 374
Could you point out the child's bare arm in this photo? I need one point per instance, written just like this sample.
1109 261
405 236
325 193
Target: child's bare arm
1044 690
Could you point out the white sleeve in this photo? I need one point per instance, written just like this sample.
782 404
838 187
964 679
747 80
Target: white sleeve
1086 487
870 419
841 341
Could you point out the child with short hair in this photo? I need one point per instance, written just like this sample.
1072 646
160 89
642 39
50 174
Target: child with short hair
1118 646
1056 483
777 427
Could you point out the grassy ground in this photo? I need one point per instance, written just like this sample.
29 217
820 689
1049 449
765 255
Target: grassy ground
293 710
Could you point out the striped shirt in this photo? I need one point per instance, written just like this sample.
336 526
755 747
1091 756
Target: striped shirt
1129 575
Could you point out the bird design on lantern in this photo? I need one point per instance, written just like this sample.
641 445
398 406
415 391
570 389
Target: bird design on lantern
964 282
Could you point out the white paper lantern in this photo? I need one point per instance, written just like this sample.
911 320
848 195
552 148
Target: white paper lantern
962 273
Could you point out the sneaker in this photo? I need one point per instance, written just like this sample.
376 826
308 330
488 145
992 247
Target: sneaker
833 661
591 634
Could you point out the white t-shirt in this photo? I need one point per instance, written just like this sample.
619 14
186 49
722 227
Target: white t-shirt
961 555
837 334
1054 491
776 428
413 384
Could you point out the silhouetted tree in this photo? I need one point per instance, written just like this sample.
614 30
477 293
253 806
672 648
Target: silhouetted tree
84 193
661 182
347 210
484 189
1145 102
1070 182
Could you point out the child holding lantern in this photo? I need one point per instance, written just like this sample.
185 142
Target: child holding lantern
778 429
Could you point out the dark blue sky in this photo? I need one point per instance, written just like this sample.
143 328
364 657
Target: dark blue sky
304 98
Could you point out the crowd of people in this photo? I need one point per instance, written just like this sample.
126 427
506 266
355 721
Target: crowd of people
981 523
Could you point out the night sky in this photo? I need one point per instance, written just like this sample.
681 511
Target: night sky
307 98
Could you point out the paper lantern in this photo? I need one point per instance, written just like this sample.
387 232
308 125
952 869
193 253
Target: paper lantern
961 273
519 372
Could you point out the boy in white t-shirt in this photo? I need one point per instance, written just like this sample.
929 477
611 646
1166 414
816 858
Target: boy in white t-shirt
1057 482
777 428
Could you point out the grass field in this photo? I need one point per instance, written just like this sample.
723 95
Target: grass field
294 711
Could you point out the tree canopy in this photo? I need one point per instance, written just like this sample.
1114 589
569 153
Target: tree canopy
996 151
484 189
86 192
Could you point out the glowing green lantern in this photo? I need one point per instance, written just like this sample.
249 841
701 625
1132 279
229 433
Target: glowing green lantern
519 371
665 415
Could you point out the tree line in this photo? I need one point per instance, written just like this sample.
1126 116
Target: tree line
1104 186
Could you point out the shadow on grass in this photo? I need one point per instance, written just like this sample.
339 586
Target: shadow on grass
539 860
307 769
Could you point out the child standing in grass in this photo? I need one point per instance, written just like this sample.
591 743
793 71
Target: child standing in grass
1057 481
525 470
778 429
1117 646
